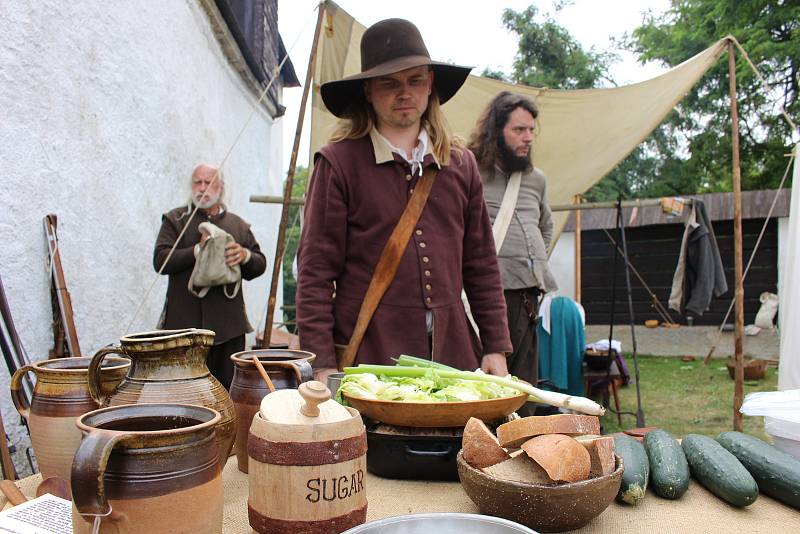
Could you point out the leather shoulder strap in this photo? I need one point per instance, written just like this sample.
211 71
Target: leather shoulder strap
387 265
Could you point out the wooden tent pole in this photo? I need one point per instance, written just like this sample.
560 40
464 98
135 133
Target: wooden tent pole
738 391
578 251
280 247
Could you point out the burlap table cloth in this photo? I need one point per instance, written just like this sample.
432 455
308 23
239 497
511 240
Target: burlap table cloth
697 511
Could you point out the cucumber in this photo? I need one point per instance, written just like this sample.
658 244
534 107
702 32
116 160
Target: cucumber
776 473
636 469
669 472
719 470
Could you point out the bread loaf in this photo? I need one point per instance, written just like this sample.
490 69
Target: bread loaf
601 454
514 433
480 446
562 457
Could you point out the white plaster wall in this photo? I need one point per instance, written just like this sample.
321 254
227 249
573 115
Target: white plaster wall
562 264
105 108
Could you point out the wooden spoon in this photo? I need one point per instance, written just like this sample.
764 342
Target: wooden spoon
55 486
12 492
263 373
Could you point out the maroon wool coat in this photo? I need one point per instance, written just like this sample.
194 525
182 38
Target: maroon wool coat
356 196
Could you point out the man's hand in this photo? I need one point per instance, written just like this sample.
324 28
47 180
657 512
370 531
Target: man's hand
234 254
322 374
494 364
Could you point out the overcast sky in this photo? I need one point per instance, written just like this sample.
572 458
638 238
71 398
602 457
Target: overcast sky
466 32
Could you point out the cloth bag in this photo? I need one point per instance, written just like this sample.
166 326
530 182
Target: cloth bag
210 268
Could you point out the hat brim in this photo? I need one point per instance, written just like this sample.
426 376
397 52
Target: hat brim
340 94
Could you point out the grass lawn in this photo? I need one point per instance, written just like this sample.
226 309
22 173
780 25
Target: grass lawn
686 397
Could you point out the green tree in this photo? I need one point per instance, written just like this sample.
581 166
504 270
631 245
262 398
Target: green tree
768 31
292 240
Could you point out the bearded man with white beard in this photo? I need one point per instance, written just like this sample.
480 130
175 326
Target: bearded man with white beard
226 317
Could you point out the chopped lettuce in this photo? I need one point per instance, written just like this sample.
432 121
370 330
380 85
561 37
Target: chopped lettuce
428 388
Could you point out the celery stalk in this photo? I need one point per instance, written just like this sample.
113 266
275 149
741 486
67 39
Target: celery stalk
552 398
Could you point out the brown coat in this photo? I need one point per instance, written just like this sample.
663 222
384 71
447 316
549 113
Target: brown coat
226 317
355 198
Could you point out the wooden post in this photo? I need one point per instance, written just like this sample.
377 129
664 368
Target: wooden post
577 200
738 391
280 247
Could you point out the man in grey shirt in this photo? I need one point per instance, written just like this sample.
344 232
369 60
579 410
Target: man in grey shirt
501 143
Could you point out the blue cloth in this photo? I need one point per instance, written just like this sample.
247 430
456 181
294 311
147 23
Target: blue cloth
561 351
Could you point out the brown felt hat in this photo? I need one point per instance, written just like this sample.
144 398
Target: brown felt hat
390 46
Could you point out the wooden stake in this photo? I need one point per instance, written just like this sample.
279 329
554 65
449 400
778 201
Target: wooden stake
280 247
577 251
738 388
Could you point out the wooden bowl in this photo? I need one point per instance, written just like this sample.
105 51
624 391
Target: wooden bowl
545 508
753 369
435 414
651 323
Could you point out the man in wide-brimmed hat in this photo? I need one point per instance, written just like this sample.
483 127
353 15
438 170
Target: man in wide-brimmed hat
392 131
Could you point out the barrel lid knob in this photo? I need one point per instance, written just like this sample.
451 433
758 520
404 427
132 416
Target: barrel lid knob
314 393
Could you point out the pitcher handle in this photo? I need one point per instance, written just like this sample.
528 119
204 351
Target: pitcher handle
303 371
88 470
20 402
95 380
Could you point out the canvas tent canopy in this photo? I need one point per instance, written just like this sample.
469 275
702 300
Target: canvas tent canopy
583 134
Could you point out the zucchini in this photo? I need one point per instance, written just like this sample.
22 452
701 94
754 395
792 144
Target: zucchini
669 472
719 470
636 469
776 472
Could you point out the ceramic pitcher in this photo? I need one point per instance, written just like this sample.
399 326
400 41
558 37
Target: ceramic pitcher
147 468
61 394
286 368
169 366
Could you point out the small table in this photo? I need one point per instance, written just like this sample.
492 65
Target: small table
611 376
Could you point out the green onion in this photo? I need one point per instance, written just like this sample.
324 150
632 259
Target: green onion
579 404
413 361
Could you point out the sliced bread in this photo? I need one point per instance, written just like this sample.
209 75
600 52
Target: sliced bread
514 433
481 448
519 468
562 457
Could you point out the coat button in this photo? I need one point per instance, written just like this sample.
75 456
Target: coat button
408 177
418 231
427 273
425 259
428 287
428 300
422 244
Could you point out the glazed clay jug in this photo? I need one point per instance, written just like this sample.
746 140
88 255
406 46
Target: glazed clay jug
61 394
286 368
170 366
147 468
307 463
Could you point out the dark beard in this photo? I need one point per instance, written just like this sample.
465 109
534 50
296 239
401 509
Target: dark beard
511 162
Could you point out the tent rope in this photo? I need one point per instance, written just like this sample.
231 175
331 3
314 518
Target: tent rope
764 84
750 260
276 72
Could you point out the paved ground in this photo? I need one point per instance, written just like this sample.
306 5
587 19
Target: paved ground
688 340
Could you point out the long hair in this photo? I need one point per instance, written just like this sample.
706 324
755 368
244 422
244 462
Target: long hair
486 140
360 119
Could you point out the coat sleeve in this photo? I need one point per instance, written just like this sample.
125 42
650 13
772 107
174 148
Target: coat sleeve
321 256
480 271
258 262
182 259
545 218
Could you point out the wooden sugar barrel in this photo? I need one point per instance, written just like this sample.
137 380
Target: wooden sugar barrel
307 463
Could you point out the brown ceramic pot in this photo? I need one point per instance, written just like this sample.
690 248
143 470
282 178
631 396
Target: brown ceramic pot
544 508
148 468
170 366
286 368
61 394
